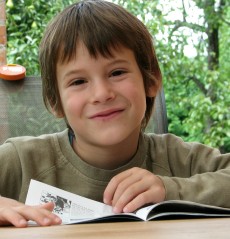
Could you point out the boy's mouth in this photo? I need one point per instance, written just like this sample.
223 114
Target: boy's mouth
106 114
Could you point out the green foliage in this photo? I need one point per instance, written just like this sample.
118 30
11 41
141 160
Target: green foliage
26 21
197 98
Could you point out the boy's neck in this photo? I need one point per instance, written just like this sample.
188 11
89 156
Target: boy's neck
109 157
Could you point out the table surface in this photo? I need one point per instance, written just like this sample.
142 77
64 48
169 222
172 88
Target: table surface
165 229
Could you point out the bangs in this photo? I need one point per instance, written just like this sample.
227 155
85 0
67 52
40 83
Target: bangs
101 32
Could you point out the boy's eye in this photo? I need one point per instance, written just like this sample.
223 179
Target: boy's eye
117 73
79 82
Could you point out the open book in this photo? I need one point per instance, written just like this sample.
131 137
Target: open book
72 208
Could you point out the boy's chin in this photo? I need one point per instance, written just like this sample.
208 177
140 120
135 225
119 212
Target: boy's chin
115 138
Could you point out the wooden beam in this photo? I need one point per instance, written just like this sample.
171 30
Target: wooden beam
3 37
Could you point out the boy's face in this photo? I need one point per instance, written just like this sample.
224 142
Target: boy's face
103 99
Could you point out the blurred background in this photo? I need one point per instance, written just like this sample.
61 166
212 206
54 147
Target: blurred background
192 40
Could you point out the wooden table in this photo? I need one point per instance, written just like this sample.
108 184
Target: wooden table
171 229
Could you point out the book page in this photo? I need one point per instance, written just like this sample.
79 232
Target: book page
145 211
71 208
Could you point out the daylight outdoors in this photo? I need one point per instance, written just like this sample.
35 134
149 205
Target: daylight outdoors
192 39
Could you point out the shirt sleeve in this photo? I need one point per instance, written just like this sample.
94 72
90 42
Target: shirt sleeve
198 173
10 171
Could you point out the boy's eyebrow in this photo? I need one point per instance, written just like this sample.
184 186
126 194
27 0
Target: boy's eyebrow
72 72
117 61
76 71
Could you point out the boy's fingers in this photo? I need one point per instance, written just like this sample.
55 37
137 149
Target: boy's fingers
18 216
139 201
150 194
11 217
121 182
42 214
112 186
128 195
127 190
133 189
48 206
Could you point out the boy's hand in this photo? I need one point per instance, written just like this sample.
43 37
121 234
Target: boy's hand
17 214
132 189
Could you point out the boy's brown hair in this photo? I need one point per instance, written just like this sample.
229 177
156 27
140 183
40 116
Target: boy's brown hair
101 26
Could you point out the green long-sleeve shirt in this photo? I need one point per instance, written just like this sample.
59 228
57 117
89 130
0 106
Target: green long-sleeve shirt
190 171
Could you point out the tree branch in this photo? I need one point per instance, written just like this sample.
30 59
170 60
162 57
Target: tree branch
225 21
199 84
220 11
178 24
184 11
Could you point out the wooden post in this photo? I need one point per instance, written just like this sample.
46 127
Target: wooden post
4 125
3 37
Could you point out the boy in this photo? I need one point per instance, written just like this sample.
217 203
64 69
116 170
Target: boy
100 74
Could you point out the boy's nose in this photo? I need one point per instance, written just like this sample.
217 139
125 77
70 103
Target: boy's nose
102 92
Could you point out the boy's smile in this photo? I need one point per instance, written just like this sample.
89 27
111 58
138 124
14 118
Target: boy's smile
104 102
107 114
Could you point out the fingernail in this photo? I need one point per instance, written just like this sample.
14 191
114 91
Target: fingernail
58 220
23 222
115 210
125 209
46 221
106 201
